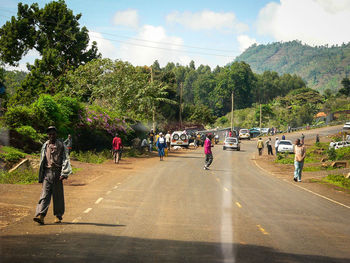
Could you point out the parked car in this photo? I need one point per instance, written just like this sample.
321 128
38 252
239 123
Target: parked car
346 125
285 146
244 134
231 143
179 138
337 145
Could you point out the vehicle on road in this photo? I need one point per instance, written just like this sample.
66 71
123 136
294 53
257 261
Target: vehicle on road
244 134
285 146
179 138
231 143
346 125
337 145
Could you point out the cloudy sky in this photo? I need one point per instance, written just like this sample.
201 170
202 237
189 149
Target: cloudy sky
208 32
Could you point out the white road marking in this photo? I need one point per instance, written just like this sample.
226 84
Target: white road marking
87 210
262 230
98 200
331 200
225 189
108 192
238 204
76 219
115 187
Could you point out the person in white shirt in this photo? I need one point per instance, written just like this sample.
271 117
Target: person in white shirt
167 139
277 142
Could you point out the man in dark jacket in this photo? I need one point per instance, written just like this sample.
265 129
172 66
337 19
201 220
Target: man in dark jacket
54 168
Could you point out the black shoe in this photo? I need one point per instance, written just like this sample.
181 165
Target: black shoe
295 179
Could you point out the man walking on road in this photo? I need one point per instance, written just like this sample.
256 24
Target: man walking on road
260 146
208 153
269 147
54 168
151 140
117 148
300 153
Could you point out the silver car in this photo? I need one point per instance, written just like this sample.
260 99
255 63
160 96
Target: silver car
231 143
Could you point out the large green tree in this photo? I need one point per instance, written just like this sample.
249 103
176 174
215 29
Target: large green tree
55 33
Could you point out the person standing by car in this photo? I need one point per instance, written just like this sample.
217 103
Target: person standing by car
53 169
269 146
207 151
167 139
260 146
283 137
277 142
300 153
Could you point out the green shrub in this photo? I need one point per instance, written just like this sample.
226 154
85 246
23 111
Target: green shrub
28 176
332 155
338 180
18 116
91 157
11 155
30 132
285 158
343 153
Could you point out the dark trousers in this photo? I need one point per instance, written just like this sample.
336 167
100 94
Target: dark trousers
52 186
269 150
208 159
260 151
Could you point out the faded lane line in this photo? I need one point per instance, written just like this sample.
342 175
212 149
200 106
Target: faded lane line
108 192
98 200
238 204
115 187
76 219
225 189
331 200
87 210
262 230
285 180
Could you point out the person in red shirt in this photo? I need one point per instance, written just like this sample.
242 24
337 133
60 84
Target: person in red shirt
117 148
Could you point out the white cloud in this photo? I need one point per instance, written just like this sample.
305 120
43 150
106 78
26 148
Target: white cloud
129 18
314 22
30 57
245 42
207 20
104 46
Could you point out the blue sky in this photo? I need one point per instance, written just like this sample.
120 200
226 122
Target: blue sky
208 32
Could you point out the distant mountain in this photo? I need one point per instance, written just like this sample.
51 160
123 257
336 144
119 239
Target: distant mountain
322 67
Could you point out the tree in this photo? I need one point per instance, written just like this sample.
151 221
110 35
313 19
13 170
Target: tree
54 32
345 90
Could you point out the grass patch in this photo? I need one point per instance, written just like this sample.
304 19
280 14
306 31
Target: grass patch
317 168
91 157
28 176
75 170
285 158
338 180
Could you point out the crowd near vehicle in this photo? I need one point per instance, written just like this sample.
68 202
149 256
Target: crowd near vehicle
231 143
285 146
244 134
179 138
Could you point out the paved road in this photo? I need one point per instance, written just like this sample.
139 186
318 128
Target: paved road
174 211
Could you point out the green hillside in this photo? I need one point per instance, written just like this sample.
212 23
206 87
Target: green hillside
322 67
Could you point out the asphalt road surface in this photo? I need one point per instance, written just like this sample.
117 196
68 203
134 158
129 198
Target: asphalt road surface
175 211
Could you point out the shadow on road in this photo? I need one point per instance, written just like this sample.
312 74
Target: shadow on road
83 223
90 247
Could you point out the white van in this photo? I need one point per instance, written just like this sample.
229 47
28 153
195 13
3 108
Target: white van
179 138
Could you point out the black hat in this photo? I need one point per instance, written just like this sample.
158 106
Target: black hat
51 128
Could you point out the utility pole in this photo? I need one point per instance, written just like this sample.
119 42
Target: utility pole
260 118
232 112
180 113
153 107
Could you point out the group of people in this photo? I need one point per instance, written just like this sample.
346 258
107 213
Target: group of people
161 141
269 144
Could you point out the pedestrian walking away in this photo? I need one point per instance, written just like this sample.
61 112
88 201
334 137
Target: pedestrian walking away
53 169
167 139
117 147
161 145
302 138
260 146
317 138
277 142
207 151
269 146
68 143
300 153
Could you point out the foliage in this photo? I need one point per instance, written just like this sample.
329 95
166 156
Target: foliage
332 155
30 132
343 153
345 90
11 155
27 176
54 32
338 180
322 67
91 157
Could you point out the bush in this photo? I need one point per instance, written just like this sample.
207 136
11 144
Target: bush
18 116
338 180
91 157
28 176
332 155
30 132
11 155
342 153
